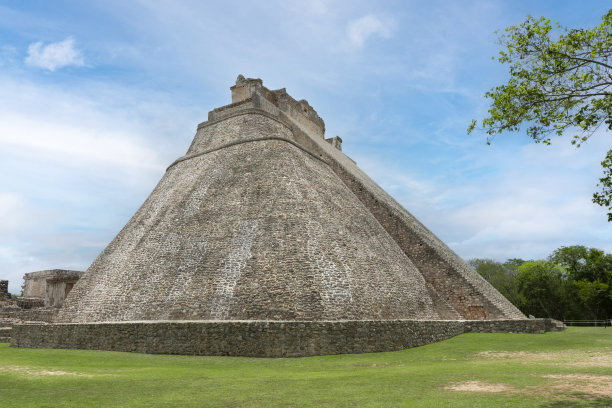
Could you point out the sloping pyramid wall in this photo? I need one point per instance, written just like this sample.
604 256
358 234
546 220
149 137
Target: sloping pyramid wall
264 223
257 230
265 220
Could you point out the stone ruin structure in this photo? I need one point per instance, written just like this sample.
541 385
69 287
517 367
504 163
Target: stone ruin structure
4 293
50 287
44 293
266 240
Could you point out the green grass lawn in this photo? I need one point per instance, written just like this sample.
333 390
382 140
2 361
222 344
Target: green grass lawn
567 369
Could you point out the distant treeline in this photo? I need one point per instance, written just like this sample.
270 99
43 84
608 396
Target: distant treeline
573 283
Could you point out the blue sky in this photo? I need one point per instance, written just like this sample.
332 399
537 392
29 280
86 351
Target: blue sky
98 97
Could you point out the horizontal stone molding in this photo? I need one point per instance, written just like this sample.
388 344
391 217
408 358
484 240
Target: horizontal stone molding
259 338
259 139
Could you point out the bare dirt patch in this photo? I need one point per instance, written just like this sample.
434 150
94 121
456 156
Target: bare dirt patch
38 372
589 386
592 384
479 386
569 358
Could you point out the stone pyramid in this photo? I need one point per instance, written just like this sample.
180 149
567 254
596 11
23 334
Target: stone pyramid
266 220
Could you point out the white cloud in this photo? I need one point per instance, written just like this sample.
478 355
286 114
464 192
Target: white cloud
55 55
526 202
77 143
73 171
15 213
360 30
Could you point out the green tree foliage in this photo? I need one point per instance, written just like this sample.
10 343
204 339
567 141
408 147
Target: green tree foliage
541 286
501 275
558 84
589 273
574 282
604 197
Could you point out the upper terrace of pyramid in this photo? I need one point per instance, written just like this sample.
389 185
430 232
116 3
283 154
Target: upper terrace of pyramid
249 93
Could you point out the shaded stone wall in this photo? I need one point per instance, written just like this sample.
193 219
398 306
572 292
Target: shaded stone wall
258 338
462 291
459 291
59 286
4 293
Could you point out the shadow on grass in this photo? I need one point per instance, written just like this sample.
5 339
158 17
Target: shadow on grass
579 400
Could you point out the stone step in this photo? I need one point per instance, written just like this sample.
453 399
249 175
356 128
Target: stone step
5 334
557 326
8 322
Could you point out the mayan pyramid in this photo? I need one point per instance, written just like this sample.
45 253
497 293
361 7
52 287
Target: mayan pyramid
264 219
266 240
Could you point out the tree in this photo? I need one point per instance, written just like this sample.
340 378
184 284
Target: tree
575 282
556 86
541 285
589 274
604 197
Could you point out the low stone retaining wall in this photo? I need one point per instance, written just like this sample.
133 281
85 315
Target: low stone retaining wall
257 338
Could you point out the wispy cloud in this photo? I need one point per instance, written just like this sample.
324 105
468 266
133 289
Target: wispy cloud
73 171
536 200
54 55
15 213
7 54
360 30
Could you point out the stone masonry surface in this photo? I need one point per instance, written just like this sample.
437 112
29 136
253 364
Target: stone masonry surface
35 283
259 338
4 293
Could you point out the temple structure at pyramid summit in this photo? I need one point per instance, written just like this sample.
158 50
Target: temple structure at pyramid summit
266 240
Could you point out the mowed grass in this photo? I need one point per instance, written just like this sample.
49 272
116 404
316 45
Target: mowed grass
566 369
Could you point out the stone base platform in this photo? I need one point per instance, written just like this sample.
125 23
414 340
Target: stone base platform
260 338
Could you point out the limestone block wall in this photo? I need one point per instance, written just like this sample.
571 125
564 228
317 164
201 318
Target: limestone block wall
460 291
35 284
258 338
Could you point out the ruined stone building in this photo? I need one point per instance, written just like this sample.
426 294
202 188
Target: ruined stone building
265 239
44 293
51 287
